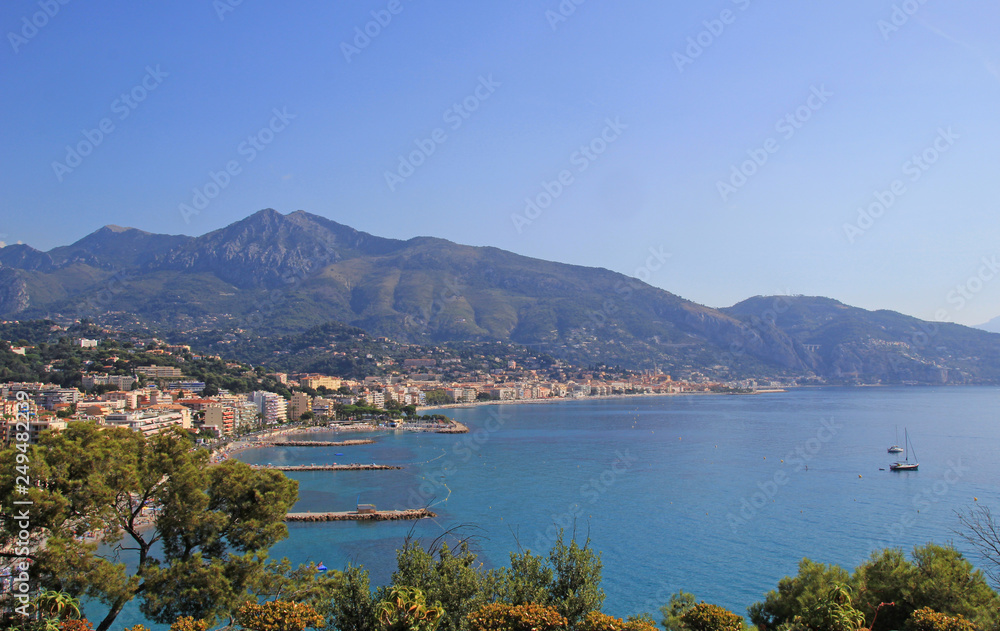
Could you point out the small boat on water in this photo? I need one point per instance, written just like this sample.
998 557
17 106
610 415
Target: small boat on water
896 449
905 464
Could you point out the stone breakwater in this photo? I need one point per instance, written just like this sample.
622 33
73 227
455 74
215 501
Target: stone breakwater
316 443
327 467
456 428
385 515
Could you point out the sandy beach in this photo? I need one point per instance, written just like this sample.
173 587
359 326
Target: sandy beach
472 404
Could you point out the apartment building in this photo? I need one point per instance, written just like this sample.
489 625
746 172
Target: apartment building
221 417
299 405
36 425
160 372
49 398
122 382
272 407
150 421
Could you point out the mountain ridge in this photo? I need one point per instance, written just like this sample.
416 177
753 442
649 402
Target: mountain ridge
280 274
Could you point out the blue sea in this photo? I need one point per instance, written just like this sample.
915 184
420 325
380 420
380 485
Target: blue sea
717 495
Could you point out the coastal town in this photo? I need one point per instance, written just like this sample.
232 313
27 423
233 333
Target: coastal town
151 397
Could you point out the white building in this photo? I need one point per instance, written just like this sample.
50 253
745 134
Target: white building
272 407
149 421
122 382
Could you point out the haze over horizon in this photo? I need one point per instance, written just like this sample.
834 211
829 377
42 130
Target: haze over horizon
740 137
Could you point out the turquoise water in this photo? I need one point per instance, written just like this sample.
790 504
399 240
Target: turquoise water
717 495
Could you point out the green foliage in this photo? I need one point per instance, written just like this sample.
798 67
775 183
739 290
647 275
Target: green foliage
679 604
706 617
884 578
215 522
947 582
456 580
939 577
524 617
406 609
886 590
597 621
797 595
67 412
59 605
641 622
926 619
303 584
187 623
576 586
352 605
279 615
568 579
528 580
836 612
437 397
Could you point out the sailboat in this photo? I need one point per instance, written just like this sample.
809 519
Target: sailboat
906 465
895 449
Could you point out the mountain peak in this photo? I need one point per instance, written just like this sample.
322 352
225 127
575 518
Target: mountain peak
265 214
116 228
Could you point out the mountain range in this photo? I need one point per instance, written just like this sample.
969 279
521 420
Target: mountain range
993 326
274 274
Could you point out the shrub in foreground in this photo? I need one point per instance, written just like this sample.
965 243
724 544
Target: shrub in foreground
926 619
504 617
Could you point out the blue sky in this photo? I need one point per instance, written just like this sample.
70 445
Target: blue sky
632 126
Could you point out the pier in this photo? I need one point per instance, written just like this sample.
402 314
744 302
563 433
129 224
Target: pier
382 515
315 443
327 467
